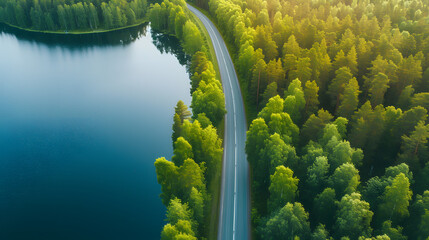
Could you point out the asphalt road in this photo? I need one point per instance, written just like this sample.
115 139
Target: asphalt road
234 218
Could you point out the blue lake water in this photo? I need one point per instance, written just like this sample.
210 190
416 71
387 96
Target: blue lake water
82 120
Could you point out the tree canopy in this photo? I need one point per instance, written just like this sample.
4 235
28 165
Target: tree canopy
61 15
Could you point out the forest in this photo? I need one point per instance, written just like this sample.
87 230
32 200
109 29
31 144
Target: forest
337 94
189 179
69 15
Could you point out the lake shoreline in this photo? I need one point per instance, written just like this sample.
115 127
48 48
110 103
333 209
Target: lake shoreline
139 23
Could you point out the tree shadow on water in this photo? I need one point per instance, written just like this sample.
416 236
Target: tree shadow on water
78 41
171 45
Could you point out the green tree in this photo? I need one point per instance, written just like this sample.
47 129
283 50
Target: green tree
345 179
270 92
49 22
93 16
20 15
181 230
311 94
373 190
393 171
201 68
292 47
264 41
404 100
62 18
178 181
182 110
378 88
289 63
368 128
182 151
349 60
190 175
424 226
317 175
325 207
338 85
294 100
169 232
79 12
131 16
206 147
392 232
255 142
177 211
209 99
313 127
350 99
414 147
192 39
283 187
408 121
182 236
277 153
275 72
257 137
420 99
341 152
259 80
179 22
36 16
108 17
330 136
177 125
381 65
196 203
166 173
282 124
289 222
409 72
204 120
341 124
185 228
274 105
353 217
395 200
417 224
71 19
303 71
320 233
247 58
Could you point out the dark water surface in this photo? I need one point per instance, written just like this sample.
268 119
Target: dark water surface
82 119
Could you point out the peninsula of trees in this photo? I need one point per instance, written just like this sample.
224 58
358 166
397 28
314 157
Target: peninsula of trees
189 181
72 15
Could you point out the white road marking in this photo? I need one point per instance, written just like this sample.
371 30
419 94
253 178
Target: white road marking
235 120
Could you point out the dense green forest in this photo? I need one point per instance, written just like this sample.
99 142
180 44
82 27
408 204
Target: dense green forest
339 148
197 161
69 15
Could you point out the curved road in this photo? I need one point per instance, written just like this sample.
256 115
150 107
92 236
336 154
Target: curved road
234 218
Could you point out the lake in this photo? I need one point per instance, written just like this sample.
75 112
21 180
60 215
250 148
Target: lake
82 120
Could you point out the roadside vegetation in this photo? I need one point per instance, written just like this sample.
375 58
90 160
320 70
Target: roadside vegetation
72 16
339 148
190 181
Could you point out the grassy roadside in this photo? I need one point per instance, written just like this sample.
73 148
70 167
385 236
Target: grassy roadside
212 219
80 32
